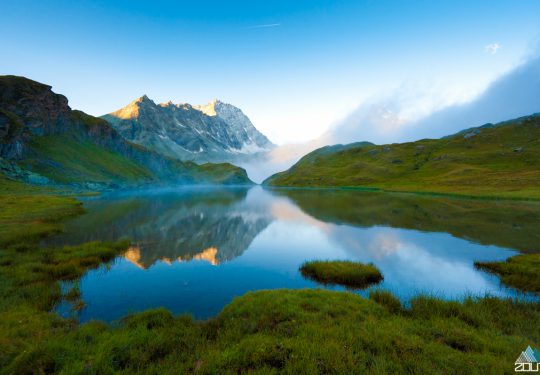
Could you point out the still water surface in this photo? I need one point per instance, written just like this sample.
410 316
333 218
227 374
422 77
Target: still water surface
194 249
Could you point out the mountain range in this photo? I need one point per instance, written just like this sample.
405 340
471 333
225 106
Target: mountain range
42 140
214 132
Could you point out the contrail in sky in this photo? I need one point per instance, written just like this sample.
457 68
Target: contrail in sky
264 26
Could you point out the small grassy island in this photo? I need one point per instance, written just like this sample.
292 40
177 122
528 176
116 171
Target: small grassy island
342 272
520 271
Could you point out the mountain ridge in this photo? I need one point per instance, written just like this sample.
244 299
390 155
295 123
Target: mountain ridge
213 132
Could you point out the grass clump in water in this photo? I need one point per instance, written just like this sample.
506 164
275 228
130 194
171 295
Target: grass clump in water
520 271
342 272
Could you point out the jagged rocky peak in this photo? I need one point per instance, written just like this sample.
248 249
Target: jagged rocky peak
215 132
168 104
133 109
145 100
210 108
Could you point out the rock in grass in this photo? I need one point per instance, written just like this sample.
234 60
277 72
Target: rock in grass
342 272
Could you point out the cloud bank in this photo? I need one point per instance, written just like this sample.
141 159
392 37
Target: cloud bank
514 94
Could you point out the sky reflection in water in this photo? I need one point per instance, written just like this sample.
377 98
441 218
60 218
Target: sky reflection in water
195 249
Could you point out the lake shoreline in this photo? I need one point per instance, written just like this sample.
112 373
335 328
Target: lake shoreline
416 192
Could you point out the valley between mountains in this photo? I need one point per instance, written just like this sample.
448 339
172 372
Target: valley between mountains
44 142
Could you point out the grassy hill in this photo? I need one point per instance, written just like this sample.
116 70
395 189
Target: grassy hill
66 159
495 160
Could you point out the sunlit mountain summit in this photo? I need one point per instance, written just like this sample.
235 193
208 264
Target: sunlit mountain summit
214 132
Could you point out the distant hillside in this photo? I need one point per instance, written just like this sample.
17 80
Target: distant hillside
214 132
42 140
501 160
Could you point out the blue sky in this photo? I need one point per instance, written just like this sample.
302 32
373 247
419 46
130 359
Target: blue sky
295 67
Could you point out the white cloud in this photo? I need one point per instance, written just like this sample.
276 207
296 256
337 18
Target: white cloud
417 116
492 48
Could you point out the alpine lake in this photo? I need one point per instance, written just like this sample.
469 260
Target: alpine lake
194 249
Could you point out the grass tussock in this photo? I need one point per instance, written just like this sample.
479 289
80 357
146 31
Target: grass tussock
386 299
520 271
347 273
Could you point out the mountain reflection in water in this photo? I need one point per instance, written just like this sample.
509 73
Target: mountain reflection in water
195 248
200 224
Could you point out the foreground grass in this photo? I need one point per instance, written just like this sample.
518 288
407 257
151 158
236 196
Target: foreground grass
29 274
280 331
343 272
298 332
520 271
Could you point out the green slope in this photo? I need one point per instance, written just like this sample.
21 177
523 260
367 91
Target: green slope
66 159
223 173
496 160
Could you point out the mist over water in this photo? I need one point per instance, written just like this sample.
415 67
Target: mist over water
280 159
196 248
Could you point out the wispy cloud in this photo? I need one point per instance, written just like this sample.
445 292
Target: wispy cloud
492 48
263 26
